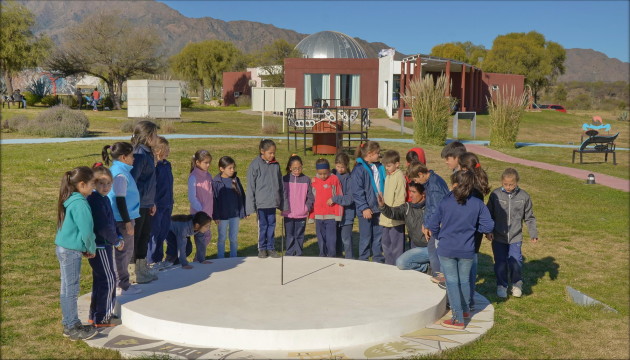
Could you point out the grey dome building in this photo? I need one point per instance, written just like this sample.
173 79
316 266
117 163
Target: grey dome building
330 45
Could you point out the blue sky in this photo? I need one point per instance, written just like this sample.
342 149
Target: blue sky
413 27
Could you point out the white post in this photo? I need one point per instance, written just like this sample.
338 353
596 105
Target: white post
284 108
263 111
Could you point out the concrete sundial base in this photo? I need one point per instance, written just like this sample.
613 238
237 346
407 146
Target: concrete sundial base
324 308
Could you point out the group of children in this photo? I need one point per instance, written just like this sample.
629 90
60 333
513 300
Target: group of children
120 217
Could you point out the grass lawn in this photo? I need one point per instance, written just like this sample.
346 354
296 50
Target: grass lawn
583 243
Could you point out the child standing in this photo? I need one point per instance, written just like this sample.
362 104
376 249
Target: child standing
125 201
161 221
435 189
394 195
344 227
367 180
107 238
143 140
325 212
229 205
298 197
265 195
509 207
75 238
458 217
183 226
201 197
470 162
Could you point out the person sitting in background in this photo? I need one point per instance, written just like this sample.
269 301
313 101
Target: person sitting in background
17 96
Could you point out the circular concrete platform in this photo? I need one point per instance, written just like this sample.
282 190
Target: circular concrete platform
323 303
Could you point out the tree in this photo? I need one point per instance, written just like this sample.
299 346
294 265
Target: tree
20 48
272 61
560 94
527 54
109 47
463 51
202 64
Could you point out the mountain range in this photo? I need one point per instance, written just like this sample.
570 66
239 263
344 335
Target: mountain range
176 30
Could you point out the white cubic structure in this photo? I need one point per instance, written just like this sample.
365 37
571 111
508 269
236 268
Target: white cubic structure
154 98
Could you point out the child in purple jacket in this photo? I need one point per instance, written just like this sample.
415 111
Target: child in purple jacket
299 200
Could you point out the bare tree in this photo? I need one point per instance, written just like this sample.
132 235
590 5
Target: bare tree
109 47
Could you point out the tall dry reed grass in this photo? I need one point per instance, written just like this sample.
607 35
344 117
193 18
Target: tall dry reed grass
505 110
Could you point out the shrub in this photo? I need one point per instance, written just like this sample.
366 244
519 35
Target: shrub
430 109
505 110
243 100
31 99
270 129
50 100
166 126
58 121
129 125
623 116
186 102
40 87
14 123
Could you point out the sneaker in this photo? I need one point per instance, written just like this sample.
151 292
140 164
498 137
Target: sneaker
164 264
453 324
79 332
467 315
517 291
502 291
442 285
132 290
273 253
438 278
113 321
262 254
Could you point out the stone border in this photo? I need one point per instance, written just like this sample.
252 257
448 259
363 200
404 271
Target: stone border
424 341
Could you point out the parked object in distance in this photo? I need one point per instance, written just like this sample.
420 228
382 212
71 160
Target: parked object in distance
553 107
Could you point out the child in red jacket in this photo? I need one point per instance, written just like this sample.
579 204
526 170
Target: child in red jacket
325 212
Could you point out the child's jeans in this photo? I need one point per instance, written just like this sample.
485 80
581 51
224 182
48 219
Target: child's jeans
160 224
393 243
202 240
508 262
326 231
266 228
294 232
177 250
414 259
344 234
370 234
123 256
70 265
433 256
457 273
233 235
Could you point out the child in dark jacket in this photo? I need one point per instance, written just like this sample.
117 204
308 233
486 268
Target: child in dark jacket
344 227
510 206
161 221
412 212
178 238
458 217
229 205
367 180
325 212
107 237
435 189
298 198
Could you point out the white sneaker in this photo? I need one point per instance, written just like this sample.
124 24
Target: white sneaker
501 291
132 290
516 291
118 291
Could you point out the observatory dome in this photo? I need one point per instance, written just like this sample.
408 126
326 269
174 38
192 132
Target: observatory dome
331 45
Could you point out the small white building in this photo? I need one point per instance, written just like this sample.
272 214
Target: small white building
154 98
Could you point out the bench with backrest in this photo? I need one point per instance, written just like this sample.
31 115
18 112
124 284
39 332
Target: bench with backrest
601 145
8 100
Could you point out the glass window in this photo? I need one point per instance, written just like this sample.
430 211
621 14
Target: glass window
348 90
316 86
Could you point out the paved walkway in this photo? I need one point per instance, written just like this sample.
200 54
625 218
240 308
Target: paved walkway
602 179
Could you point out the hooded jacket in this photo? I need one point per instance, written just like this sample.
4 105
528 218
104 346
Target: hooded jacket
363 186
509 210
104 222
346 200
412 214
435 189
322 191
264 186
229 202
143 173
164 184
77 229
298 196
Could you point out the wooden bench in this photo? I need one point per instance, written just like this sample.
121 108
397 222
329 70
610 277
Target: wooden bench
8 102
602 145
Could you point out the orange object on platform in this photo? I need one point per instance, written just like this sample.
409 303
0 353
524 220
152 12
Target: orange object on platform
325 142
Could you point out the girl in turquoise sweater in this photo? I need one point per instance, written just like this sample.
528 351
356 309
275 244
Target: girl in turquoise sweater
75 238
